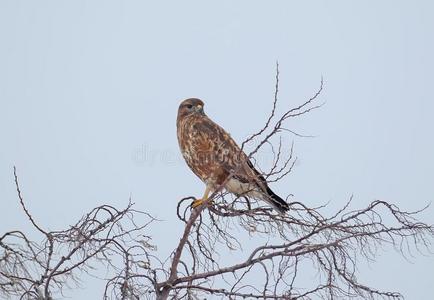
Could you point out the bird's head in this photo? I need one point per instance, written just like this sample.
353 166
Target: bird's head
190 106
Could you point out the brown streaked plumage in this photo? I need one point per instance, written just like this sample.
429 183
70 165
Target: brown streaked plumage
212 155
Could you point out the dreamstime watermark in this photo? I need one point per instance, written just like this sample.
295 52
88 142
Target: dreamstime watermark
146 155
149 156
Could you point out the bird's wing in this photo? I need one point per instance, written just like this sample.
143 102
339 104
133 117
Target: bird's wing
231 157
228 158
228 154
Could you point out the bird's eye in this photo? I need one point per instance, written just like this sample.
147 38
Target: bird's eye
189 106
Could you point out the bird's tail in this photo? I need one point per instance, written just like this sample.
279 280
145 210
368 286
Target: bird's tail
276 202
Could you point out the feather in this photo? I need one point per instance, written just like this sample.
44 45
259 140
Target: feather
277 202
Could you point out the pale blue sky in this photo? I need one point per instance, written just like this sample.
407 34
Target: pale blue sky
87 86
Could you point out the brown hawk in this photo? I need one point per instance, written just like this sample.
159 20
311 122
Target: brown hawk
213 155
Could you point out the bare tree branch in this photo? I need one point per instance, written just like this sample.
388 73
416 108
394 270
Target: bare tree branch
231 247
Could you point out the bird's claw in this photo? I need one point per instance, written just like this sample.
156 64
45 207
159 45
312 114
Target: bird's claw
198 202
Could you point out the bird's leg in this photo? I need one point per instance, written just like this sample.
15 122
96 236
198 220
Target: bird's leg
199 202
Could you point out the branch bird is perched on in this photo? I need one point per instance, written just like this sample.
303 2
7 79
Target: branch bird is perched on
213 155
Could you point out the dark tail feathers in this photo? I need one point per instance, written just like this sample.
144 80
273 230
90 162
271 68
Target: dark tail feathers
277 202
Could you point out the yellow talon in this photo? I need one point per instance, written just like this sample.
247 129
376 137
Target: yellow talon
199 202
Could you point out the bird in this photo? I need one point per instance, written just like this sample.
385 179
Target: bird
214 156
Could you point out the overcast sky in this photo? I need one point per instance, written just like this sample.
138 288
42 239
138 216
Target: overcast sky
89 92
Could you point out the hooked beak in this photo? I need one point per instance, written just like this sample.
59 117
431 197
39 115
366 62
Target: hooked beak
199 109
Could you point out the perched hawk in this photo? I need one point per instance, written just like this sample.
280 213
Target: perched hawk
213 155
